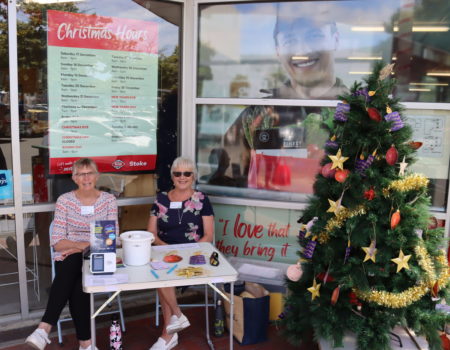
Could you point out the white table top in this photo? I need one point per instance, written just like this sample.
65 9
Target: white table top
140 277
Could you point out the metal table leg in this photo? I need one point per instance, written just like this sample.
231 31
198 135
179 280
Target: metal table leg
208 338
91 296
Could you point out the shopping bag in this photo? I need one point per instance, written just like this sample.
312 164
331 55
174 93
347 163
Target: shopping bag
251 314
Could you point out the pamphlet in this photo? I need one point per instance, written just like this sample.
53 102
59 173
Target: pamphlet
103 236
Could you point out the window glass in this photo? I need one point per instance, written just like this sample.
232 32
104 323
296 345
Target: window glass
9 276
101 82
317 49
37 256
432 134
275 151
260 151
6 181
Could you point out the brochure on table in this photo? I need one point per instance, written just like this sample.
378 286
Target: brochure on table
103 247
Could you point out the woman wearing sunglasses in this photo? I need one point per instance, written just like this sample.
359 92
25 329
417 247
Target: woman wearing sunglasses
181 215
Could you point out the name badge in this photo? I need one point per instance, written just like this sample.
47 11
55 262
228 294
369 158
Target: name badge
87 210
176 205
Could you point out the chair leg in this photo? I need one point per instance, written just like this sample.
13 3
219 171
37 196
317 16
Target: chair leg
58 326
157 309
122 321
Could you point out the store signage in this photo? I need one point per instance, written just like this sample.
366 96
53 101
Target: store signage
257 233
102 87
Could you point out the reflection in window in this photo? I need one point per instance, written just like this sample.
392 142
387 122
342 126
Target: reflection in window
261 148
34 107
274 152
314 49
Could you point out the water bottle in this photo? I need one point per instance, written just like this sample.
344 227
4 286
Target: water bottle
219 320
115 335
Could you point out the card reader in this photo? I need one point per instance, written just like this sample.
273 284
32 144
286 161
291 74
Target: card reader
103 263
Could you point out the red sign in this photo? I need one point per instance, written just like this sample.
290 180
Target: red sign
97 32
107 164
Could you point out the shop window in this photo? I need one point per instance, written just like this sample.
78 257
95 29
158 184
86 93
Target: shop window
310 50
261 151
101 82
274 152
314 49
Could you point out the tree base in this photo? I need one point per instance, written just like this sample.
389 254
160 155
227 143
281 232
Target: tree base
409 341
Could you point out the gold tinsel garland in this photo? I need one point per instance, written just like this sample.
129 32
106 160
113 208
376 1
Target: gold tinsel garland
413 294
408 183
337 221
426 264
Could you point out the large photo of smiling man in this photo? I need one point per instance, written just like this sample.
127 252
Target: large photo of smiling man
306 39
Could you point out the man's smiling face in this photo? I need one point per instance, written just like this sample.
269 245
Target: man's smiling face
306 50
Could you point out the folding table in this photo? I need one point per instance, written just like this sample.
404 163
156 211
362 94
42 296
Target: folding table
140 277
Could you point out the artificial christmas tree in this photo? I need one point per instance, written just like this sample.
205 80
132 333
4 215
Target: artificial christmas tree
369 260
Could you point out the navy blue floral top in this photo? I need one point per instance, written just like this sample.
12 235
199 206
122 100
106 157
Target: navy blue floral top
181 225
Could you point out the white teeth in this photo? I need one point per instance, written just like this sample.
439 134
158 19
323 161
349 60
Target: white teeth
303 64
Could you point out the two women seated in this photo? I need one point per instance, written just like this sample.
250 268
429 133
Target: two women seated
181 215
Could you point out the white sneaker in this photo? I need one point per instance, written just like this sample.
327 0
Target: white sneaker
177 324
38 339
162 345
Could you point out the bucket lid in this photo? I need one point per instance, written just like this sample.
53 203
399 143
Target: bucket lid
135 236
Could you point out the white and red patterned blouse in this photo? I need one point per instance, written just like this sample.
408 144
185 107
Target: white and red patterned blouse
69 222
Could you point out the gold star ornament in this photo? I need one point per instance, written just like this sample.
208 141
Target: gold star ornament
402 261
370 251
335 206
338 160
314 290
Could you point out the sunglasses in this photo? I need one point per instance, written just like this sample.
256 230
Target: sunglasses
184 173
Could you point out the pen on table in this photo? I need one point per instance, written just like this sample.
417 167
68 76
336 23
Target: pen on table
154 273
172 268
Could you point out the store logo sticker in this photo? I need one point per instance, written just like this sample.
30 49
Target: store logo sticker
117 164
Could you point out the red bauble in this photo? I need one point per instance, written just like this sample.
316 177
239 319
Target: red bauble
369 194
374 114
321 276
341 175
392 155
435 290
353 299
433 223
395 219
327 171
335 295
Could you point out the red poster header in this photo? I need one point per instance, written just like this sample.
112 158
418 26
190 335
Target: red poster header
106 164
69 29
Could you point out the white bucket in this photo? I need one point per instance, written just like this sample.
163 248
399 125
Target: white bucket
136 247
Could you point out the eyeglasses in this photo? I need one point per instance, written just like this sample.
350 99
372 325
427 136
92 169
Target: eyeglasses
89 174
184 173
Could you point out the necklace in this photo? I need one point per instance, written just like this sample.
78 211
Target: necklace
180 217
